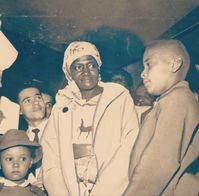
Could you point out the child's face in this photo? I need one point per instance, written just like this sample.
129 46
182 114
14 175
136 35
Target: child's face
15 163
157 71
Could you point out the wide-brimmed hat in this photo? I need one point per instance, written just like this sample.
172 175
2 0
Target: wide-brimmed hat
14 137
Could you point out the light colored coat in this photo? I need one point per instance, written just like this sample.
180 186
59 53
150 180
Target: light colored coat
11 115
164 147
115 130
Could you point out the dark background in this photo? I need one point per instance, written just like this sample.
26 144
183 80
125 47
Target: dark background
41 30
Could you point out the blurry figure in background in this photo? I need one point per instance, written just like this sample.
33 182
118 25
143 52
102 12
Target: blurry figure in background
17 155
9 111
122 77
49 102
142 97
135 69
143 101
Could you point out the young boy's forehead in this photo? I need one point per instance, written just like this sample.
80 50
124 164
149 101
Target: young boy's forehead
16 151
169 48
149 55
157 52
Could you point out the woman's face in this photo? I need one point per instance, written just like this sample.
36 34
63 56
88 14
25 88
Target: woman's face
85 72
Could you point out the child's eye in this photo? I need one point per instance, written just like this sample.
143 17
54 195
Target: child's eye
23 159
148 64
8 159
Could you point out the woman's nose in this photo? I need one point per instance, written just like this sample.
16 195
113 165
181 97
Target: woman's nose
86 69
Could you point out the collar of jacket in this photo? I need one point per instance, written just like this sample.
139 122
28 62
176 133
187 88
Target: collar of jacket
181 84
7 182
65 96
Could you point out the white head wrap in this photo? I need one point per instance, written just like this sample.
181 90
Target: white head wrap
76 50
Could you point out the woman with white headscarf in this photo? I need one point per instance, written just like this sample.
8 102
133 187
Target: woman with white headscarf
91 131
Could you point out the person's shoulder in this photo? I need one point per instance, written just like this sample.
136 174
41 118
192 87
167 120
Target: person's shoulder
113 86
181 97
183 93
6 101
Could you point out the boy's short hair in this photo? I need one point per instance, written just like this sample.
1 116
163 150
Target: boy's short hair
14 137
174 47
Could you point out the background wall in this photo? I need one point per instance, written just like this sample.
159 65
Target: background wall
42 29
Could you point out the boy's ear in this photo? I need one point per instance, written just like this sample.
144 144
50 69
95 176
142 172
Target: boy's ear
177 64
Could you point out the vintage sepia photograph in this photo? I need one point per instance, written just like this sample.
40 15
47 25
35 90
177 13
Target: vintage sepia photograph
99 97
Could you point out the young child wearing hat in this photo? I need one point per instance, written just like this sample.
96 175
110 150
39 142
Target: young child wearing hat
17 155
